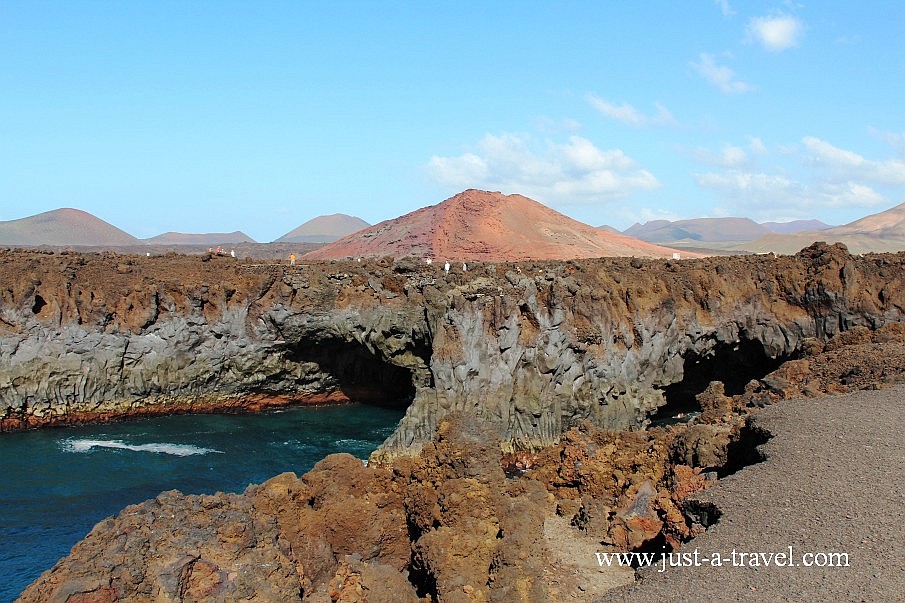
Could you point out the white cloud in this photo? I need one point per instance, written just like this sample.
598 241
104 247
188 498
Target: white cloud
631 116
801 181
720 76
464 168
724 7
572 172
646 214
757 146
894 139
776 33
840 164
728 156
547 125
763 195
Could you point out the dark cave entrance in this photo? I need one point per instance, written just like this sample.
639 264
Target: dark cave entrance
357 373
735 364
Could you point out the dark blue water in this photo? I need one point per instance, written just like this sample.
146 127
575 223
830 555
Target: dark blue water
56 484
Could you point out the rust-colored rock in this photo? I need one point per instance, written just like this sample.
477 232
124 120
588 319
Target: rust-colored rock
545 361
487 227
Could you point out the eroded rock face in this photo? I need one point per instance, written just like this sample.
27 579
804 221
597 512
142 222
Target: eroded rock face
448 524
534 348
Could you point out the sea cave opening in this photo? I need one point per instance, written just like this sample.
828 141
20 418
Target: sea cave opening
357 373
734 364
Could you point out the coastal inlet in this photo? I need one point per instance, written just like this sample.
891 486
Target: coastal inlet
57 483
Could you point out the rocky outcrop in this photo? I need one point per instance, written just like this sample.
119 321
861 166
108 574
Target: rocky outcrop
449 524
446 525
533 348
460 521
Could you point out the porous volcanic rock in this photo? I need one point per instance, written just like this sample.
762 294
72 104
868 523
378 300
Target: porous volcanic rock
535 348
486 226
447 524
524 367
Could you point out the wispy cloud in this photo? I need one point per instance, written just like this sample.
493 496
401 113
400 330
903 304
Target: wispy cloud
728 156
814 175
724 7
572 172
894 139
757 145
841 164
766 195
776 33
631 116
720 76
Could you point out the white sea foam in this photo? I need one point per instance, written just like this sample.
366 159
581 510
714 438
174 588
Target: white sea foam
82 445
351 442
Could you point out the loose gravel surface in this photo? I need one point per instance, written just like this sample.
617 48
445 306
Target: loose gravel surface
833 482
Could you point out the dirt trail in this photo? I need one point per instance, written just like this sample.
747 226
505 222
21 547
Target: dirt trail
832 483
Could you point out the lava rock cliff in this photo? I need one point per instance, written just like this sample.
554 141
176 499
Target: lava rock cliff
534 348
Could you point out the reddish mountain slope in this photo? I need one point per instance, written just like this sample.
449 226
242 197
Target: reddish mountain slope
481 225
64 226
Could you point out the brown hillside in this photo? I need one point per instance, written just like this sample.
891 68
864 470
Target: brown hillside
487 226
877 233
64 226
208 238
698 230
324 229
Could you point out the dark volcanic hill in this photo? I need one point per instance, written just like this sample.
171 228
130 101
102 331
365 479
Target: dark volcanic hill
210 238
64 226
324 229
488 226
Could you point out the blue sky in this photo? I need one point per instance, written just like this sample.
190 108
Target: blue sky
209 116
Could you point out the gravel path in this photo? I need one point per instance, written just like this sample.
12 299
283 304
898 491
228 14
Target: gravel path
834 481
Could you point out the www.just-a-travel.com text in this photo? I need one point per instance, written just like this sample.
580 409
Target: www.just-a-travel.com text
695 558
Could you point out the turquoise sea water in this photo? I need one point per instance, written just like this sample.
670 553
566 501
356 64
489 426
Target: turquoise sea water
55 484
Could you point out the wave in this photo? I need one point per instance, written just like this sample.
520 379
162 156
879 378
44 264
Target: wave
82 445
353 442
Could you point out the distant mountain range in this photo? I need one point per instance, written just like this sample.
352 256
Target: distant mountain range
795 226
324 229
715 233
210 238
881 232
73 227
478 225
488 226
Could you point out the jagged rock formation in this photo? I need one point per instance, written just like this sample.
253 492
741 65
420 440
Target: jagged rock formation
501 358
448 524
534 348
